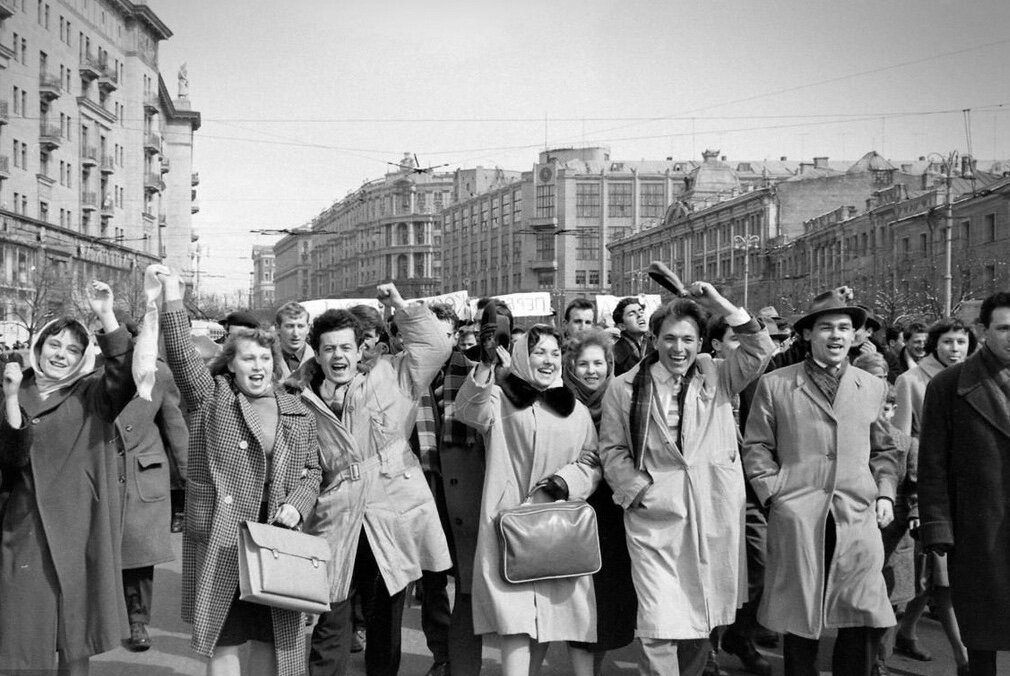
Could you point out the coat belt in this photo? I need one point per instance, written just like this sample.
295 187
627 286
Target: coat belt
355 470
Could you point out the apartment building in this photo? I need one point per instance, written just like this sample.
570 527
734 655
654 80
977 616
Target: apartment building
262 288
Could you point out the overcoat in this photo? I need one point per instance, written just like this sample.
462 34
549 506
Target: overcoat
686 540
910 390
810 458
524 446
147 432
370 475
224 487
73 486
964 496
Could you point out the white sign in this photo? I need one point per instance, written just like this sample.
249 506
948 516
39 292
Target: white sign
319 306
457 300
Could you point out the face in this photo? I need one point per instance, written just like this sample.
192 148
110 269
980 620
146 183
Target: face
466 341
861 335
889 409
633 320
729 342
997 335
545 362
59 354
293 331
830 338
591 366
338 355
677 344
916 345
253 366
450 330
579 321
952 347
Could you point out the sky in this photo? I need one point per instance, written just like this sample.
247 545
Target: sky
303 101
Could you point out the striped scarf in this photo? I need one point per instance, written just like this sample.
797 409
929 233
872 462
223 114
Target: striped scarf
826 381
426 433
641 403
455 433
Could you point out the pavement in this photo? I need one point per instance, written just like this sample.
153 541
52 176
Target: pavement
171 656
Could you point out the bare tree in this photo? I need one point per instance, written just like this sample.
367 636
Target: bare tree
44 292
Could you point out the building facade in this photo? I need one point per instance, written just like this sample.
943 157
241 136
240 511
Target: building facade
293 266
261 292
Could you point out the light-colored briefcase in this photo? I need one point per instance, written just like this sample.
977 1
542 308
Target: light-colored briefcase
283 568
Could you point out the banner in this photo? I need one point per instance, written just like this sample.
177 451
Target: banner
457 300
319 306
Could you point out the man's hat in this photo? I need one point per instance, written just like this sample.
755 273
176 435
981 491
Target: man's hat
872 321
776 325
836 301
241 318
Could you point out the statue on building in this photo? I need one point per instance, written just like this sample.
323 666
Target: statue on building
183 82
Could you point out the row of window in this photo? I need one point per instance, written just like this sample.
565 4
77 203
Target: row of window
652 200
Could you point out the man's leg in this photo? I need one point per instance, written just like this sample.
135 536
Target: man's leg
435 617
330 650
138 586
659 657
383 617
982 662
856 650
465 647
692 656
800 655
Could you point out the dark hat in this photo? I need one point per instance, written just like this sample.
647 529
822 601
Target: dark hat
240 318
872 321
830 302
492 320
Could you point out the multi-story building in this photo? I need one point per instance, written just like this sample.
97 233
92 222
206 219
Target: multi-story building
262 288
100 155
292 266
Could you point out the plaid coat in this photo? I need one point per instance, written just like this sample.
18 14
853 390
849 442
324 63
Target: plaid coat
224 487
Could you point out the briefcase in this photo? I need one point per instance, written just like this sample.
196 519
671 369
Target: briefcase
283 568
548 541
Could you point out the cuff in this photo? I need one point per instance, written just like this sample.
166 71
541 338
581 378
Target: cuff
886 489
741 321
172 306
627 494
936 533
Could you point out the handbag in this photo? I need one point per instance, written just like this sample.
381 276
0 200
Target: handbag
548 541
283 568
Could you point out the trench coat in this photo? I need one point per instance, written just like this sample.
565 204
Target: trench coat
225 486
522 447
71 491
147 432
686 540
964 496
811 458
371 477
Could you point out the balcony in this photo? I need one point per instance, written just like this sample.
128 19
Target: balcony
50 136
4 116
543 264
5 167
89 201
50 86
165 165
152 103
544 223
108 79
108 164
162 220
153 182
6 9
108 207
96 109
152 142
90 68
89 156
194 180
194 207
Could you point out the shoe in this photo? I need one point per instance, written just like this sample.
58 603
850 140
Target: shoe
178 522
909 647
139 640
712 667
880 669
743 649
765 638
438 669
358 640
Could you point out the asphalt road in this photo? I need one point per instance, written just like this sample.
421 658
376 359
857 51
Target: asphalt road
171 656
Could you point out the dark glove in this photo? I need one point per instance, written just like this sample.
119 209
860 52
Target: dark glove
556 487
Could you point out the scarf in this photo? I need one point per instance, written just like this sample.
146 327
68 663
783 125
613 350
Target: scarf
826 381
641 403
426 433
593 399
145 346
518 385
47 385
455 433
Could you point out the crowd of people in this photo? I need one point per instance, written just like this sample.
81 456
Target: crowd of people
754 481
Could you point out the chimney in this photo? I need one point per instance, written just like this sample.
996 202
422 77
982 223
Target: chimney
783 159
906 168
804 166
820 163
967 165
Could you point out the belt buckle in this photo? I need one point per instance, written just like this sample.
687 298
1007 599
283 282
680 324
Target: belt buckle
355 472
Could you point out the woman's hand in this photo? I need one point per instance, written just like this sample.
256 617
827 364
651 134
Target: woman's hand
287 516
101 300
885 512
12 379
171 284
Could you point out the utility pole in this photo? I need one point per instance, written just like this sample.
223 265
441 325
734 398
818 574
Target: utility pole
948 236
746 242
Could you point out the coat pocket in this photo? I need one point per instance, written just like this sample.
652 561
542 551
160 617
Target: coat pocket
200 499
152 477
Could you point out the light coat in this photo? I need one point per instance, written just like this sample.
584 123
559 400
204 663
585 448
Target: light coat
390 497
227 472
809 458
686 538
910 390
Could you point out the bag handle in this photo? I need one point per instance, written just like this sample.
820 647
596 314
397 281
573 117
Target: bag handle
540 485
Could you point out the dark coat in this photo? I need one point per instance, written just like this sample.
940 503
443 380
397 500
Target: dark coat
964 496
147 431
627 353
224 487
73 468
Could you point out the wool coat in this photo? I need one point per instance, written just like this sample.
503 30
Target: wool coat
61 518
810 458
686 538
147 432
964 495
371 477
227 472
910 390
524 446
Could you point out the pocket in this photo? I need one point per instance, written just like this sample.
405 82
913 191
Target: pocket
152 477
200 500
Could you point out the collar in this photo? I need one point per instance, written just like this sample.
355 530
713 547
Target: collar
662 376
522 395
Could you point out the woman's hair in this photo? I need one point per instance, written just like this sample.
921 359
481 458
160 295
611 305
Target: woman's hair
586 339
871 360
942 326
539 331
76 329
263 337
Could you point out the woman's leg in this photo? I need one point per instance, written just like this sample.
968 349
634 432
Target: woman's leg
225 662
538 651
598 658
945 610
515 654
913 611
262 660
78 667
583 661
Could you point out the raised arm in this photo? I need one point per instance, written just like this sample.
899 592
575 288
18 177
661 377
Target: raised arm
191 375
426 346
171 423
115 388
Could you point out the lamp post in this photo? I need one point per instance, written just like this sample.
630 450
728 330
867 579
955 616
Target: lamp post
746 242
948 210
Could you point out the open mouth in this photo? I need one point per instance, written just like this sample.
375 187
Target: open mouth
257 379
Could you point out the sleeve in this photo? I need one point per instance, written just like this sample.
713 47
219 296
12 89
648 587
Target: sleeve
583 475
746 363
191 375
303 496
760 445
476 403
115 386
15 442
619 466
171 422
426 347
886 459
935 491
904 408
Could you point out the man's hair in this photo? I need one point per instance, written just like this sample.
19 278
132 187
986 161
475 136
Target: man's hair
580 304
218 365
892 333
290 310
998 299
912 329
716 330
369 317
621 306
445 313
501 306
335 320
942 326
682 308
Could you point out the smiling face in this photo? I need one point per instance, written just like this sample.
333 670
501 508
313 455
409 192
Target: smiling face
253 366
916 345
293 332
633 320
677 344
545 362
59 354
830 338
952 347
591 366
338 355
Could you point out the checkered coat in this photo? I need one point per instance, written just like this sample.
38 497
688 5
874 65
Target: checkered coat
224 487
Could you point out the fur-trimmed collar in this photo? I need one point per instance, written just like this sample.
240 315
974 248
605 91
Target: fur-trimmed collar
522 395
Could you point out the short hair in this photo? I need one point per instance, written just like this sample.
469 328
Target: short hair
716 330
580 304
369 318
621 306
467 331
501 306
290 310
335 320
538 332
942 326
681 308
57 327
996 300
601 339
912 329
892 394
218 365
871 360
892 333
445 313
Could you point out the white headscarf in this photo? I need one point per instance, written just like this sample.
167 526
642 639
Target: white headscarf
47 385
521 362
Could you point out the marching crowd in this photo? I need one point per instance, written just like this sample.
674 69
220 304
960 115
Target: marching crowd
752 482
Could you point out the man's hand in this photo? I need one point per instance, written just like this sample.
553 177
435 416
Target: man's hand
287 516
12 379
706 296
390 297
885 512
866 347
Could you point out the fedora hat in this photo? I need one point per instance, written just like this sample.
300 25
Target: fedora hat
872 321
830 302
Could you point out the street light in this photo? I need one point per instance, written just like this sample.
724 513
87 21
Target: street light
746 242
948 166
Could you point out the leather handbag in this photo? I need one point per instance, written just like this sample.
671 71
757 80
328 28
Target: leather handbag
548 541
283 568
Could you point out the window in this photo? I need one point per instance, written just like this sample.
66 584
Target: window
545 246
17 100
923 243
545 280
594 278
580 278
402 234
619 202
545 201
990 227
419 265
419 233
652 200
990 276
587 200
965 235
587 246
517 206
905 246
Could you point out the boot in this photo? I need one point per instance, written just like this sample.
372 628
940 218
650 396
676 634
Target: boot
743 649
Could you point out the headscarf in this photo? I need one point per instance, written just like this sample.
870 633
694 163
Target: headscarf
47 385
593 399
521 363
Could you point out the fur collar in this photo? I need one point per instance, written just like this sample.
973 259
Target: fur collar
560 400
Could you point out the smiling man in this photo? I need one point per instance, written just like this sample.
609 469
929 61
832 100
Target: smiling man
669 451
